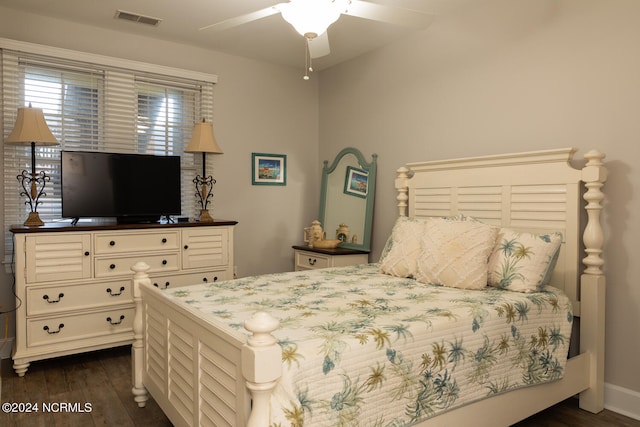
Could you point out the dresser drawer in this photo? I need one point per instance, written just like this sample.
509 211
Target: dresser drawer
310 260
116 243
61 329
121 266
164 282
55 299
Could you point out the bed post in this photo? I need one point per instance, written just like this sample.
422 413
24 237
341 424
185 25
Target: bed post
140 394
261 366
402 186
592 290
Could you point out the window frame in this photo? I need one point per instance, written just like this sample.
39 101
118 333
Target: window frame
119 74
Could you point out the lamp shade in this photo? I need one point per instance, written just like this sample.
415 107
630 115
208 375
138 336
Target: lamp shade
31 127
311 18
202 139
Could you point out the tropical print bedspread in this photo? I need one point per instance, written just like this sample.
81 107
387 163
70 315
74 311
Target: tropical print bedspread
365 349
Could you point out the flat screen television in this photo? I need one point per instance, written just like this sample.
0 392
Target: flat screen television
132 188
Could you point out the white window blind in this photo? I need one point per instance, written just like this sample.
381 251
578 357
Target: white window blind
92 107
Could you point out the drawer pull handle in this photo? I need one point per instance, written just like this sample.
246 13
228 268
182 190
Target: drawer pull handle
166 285
112 243
186 247
112 266
164 262
117 293
53 301
86 253
312 261
205 280
60 326
164 240
116 322
215 278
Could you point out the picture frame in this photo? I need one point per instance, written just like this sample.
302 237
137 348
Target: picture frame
356 182
268 169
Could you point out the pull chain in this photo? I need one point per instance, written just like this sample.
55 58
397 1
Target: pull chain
308 68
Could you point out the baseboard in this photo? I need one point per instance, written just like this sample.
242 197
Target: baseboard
622 400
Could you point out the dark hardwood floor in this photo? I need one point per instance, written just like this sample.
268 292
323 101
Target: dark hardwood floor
103 380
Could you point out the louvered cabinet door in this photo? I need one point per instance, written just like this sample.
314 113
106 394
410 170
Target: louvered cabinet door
58 256
206 248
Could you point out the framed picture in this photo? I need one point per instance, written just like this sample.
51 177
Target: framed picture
268 169
356 182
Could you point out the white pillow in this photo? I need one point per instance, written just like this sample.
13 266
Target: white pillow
403 247
523 262
456 253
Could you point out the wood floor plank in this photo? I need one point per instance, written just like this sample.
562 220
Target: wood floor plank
107 407
72 419
103 379
119 368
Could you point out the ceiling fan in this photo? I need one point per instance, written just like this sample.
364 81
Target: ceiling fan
312 18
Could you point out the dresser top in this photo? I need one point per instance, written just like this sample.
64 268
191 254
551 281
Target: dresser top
66 226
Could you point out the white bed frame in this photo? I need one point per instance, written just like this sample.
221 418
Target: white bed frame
202 374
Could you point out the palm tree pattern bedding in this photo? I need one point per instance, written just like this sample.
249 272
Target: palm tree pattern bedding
361 348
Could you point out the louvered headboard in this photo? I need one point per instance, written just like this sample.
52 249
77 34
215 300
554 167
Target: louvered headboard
533 191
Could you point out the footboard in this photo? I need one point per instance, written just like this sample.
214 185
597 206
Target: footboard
200 373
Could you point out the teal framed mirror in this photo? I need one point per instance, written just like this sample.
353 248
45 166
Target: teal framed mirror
347 198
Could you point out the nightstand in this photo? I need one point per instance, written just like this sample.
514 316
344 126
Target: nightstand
307 258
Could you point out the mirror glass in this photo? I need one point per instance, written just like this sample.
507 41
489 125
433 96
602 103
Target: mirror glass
346 199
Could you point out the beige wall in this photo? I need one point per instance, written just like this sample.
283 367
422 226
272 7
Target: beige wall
504 77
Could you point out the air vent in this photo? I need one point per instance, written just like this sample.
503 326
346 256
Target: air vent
134 17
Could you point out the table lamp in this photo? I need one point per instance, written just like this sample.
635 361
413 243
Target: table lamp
203 141
31 129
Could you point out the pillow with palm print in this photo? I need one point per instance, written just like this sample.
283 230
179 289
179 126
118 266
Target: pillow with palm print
523 262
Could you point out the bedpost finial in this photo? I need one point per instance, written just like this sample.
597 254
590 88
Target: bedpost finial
594 157
261 325
140 268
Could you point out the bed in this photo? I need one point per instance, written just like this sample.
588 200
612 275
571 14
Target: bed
401 342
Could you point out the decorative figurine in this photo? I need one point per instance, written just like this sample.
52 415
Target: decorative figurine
313 233
342 233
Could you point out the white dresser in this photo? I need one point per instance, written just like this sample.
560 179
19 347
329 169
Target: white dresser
73 283
307 258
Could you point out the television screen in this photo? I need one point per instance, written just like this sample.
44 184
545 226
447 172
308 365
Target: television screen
129 187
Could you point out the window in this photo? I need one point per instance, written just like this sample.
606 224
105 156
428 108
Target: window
97 107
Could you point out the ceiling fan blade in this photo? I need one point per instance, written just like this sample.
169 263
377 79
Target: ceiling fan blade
391 15
319 46
242 19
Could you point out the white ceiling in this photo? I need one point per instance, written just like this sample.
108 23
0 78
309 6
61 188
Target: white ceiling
270 39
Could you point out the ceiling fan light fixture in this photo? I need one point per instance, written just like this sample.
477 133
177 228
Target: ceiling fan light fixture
311 18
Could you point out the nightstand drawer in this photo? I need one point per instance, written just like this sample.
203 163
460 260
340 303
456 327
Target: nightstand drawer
60 329
55 299
318 258
310 260
115 243
121 266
